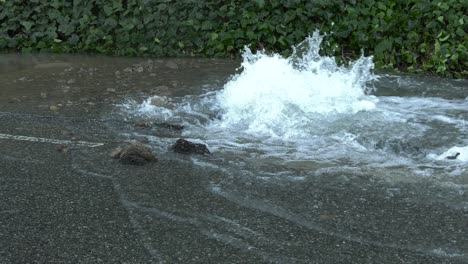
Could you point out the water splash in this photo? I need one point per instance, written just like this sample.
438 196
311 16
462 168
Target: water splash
281 97
306 107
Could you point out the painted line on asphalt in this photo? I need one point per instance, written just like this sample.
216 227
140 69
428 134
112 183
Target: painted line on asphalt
51 140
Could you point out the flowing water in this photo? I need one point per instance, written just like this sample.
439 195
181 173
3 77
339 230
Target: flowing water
306 114
281 129
310 161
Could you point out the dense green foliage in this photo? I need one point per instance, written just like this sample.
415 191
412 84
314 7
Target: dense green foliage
414 35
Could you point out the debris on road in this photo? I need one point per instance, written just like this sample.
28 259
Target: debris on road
61 148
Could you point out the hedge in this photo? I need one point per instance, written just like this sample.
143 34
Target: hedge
414 35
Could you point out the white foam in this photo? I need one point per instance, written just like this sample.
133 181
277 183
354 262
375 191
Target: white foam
278 96
158 106
446 119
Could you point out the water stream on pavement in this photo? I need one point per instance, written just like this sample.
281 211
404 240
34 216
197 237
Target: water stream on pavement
306 114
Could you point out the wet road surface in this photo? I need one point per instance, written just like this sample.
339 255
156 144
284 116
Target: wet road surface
74 204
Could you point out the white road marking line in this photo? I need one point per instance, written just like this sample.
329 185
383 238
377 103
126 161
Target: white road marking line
51 140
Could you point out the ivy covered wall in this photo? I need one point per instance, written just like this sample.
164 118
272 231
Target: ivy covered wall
414 35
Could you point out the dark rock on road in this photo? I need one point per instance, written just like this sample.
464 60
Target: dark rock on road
149 124
62 148
144 124
183 146
134 154
170 126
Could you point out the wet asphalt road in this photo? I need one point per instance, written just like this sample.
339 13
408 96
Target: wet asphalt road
74 204
80 206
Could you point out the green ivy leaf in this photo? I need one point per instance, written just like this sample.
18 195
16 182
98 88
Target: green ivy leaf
381 6
384 45
444 38
108 10
260 3
251 35
206 25
460 32
27 25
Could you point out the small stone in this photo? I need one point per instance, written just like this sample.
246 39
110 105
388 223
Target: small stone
143 124
44 95
134 154
183 146
62 148
110 90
